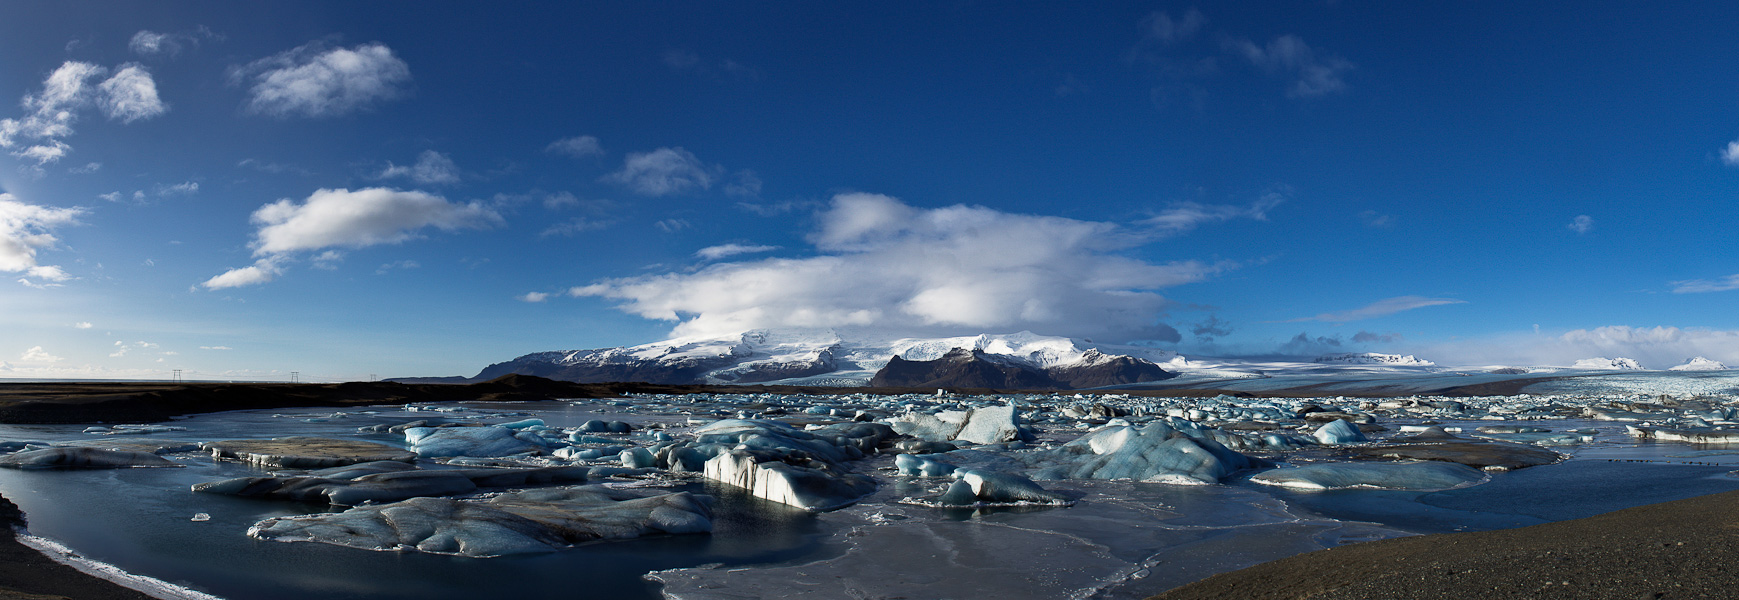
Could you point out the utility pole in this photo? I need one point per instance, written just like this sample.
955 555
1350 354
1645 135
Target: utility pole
177 377
295 377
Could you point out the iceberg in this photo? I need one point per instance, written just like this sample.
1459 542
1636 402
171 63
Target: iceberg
1156 453
1414 476
482 442
298 452
1339 431
510 523
82 458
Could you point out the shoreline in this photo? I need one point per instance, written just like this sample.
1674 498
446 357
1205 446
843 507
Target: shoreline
1671 550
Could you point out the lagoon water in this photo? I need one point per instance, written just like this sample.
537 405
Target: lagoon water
1120 539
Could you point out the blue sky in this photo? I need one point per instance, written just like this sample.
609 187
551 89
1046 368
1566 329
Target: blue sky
398 189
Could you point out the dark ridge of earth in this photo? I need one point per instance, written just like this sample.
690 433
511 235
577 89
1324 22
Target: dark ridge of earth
142 402
1673 550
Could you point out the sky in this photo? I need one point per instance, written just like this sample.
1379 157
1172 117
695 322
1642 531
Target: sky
354 190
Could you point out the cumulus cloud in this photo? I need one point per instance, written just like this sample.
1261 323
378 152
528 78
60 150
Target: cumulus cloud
26 229
37 355
348 219
360 218
578 147
432 168
82 325
725 250
157 44
1730 154
664 172
262 271
1314 73
1212 328
533 297
1581 224
315 81
185 188
39 135
1380 308
894 267
1698 286
398 264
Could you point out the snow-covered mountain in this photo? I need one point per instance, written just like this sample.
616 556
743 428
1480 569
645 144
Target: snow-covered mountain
819 357
1601 363
1373 358
1700 364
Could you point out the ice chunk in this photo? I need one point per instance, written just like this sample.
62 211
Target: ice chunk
637 458
815 489
1695 435
1425 475
82 458
922 466
512 523
306 452
433 442
1339 431
376 484
994 487
1157 453
991 425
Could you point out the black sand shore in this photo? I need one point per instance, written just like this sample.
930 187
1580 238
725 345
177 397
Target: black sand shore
1673 550
26 574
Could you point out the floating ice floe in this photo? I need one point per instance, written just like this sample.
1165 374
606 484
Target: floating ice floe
1416 476
509 523
781 463
1339 431
1699 435
1158 453
483 442
82 458
977 487
389 481
985 425
299 452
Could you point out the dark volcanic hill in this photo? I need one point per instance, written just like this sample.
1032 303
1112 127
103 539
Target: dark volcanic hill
961 368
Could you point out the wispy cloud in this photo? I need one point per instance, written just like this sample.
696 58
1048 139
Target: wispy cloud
315 81
26 229
1313 72
1162 28
583 146
533 297
1698 286
1380 308
664 172
1376 220
1581 224
1185 216
432 168
727 250
39 136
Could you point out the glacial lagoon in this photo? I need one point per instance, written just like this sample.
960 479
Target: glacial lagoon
1110 538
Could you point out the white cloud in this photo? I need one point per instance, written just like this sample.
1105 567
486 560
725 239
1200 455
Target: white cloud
1160 27
1697 286
82 325
27 228
111 196
39 135
262 271
1185 216
314 81
578 147
663 172
87 169
432 168
328 260
149 43
533 297
1316 74
360 218
726 250
36 355
1730 155
215 348
574 226
1380 308
185 188
130 95
899 268
673 225
350 219
400 264
1581 224
747 185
